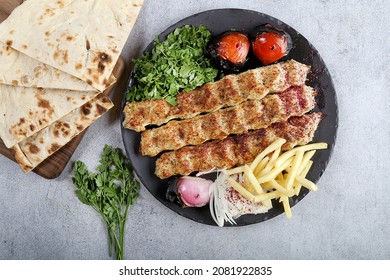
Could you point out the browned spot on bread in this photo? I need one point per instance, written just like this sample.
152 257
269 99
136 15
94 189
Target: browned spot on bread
25 79
34 149
103 57
68 98
60 4
83 97
11 32
89 82
65 129
79 127
41 140
54 147
101 110
86 109
9 45
55 55
78 66
43 103
105 99
63 54
15 83
69 38
87 45
24 46
101 67
47 33
105 82
49 12
32 127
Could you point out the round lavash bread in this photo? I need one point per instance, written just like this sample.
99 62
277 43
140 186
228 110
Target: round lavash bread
24 111
30 152
18 69
81 38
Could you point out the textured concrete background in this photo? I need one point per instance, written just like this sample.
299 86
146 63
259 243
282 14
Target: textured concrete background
346 219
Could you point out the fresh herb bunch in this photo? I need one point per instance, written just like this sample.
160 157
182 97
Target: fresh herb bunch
178 63
110 192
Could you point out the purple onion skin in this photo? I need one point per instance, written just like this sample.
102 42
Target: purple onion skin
189 191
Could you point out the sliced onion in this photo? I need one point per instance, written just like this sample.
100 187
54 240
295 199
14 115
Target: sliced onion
218 204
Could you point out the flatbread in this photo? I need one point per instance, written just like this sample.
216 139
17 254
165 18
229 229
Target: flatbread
24 111
81 38
18 69
30 152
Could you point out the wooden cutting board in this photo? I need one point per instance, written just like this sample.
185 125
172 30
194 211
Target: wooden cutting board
53 166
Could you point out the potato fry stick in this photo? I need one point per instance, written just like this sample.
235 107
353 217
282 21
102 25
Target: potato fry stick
307 183
294 169
267 196
280 188
270 163
297 186
259 168
289 154
280 179
254 184
274 172
286 206
240 189
267 186
252 179
276 144
248 186
306 158
233 171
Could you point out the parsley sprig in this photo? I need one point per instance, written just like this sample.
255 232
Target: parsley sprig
178 63
110 192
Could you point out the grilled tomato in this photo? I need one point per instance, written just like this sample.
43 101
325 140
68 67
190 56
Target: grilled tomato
270 44
229 50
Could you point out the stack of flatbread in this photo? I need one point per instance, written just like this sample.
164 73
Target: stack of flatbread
56 59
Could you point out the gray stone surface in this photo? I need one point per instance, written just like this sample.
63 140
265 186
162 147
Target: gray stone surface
346 219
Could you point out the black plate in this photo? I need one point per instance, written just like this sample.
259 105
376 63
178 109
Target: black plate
218 21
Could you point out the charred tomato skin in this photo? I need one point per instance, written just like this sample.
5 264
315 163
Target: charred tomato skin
270 44
229 50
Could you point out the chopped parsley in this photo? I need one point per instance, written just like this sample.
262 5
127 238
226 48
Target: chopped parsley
178 63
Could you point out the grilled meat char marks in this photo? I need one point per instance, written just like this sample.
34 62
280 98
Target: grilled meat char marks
236 150
249 115
229 91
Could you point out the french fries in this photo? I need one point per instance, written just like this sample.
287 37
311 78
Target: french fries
276 175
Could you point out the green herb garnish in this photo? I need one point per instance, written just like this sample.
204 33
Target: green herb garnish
178 63
110 192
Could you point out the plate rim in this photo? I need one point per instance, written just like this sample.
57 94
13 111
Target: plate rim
305 192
